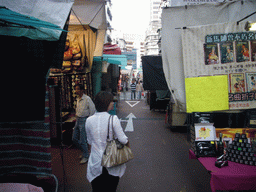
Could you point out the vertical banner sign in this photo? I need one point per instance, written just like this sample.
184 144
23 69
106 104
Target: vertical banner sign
223 49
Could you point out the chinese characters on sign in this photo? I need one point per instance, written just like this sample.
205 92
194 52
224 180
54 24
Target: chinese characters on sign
230 37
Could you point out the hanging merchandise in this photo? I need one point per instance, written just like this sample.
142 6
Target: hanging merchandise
74 57
68 55
66 84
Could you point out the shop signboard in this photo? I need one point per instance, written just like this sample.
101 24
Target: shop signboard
223 49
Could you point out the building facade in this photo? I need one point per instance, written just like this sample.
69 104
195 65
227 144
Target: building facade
152 36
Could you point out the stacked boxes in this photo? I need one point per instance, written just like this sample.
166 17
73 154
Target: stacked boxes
240 151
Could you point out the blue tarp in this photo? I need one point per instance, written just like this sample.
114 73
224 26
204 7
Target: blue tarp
15 24
120 60
10 18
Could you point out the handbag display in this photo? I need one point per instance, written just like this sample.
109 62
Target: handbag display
115 153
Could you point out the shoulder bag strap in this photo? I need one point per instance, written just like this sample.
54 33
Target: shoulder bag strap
112 126
108 127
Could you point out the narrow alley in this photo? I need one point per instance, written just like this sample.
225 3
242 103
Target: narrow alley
161 162
194 130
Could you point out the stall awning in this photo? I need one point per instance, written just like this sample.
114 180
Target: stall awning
89 12
120 60
38 19
13 19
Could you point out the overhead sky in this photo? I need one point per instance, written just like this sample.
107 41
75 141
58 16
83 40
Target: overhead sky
130 16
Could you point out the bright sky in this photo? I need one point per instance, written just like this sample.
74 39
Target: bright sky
130 16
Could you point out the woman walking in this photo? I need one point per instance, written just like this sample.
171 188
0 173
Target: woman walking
97 130
139 89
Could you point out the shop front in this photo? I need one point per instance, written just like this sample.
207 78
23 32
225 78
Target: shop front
76 69
85 39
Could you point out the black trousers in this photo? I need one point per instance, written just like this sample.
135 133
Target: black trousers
105 181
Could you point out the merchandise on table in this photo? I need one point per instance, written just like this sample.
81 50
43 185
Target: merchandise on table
240 151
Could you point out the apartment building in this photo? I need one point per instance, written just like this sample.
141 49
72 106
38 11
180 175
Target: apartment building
152 36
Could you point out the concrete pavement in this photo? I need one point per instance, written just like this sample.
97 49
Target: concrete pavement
161 156
161 162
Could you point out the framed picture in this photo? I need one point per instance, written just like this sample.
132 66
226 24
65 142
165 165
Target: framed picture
253 50
242 51
205 132
211 54
251 82
227 52
236 82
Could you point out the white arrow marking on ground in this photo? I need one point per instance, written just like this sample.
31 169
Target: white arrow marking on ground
132 105
129 126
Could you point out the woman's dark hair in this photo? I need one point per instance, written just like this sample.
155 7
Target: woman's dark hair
102 101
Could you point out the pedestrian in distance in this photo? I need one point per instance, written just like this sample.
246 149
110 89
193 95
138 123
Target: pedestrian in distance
133 90
102 178
139 89
84 108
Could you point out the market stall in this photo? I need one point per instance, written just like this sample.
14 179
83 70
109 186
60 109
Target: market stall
84 40
176 67
31 36
217 72
76 67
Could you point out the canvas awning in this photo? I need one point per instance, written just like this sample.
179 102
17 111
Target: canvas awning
89 12
13 19
38 19
120 60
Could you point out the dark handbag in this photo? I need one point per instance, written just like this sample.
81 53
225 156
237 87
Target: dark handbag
115 153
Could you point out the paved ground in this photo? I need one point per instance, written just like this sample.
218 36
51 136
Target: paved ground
161 161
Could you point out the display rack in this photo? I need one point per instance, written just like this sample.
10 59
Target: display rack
63 101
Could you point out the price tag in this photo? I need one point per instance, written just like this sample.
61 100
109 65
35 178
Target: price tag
212 142
240 140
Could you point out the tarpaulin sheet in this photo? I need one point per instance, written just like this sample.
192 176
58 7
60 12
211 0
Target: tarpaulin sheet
111 49
193 15
89 12
55 12
153 75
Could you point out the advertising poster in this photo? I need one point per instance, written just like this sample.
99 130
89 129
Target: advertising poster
237 83
211 54
251 82
227 52
242 51
253 50
225 49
